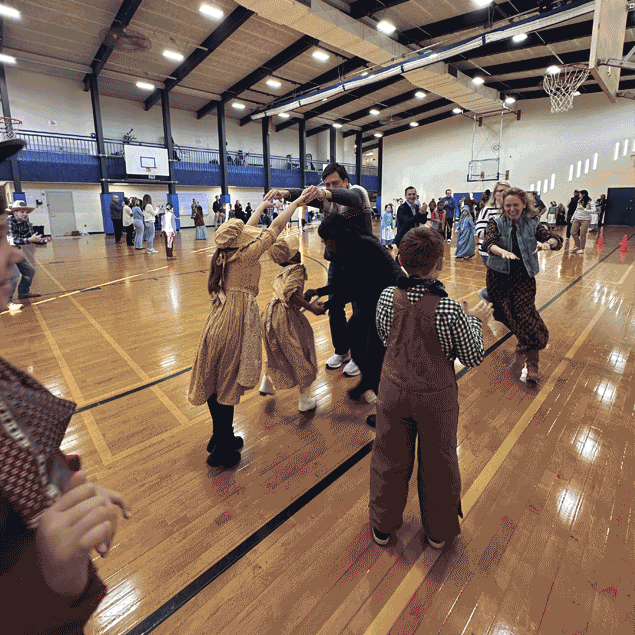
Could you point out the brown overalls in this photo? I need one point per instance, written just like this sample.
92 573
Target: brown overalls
418 395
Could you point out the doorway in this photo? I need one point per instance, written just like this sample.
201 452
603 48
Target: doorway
621 206
61 213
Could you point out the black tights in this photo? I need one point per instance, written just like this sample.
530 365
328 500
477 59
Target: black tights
222 419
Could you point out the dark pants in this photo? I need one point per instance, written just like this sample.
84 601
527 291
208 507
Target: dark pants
448 227
366 348
26 269
117 225
222 420
129 235
569 217
337 318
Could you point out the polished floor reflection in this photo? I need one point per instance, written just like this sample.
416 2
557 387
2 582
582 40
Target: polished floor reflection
281 544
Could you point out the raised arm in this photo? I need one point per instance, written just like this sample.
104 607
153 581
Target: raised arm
281 220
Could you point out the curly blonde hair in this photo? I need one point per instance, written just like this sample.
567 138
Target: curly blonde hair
528 201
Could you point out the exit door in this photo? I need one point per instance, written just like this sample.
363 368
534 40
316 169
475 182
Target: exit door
61 213
621 206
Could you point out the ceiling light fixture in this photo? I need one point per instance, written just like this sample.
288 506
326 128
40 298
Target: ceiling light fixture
364 73
420 94
9 12
386 27
413 124
378 135
211 12
320 55
482 3
143 85
373 111
457 111
337 125
274 83
9 59
577 93
510 100
478 81
284 115
238 106
369 154
521 37
433 55
171 55
552 70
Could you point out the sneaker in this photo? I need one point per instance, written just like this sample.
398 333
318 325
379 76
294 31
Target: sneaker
306 405
266 387
351 369
483 295
579 251
25 296
152 251
380 537
335 361
449 240
14 308
436 544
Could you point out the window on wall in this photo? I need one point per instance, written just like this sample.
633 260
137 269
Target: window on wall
579 170
571 172
545 187
617 151
553 181
633 149
586 166
625 147
595 161
539 187
533 187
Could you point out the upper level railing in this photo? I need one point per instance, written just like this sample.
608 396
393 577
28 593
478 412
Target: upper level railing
58 147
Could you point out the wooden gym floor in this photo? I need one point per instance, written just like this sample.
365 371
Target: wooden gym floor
281 544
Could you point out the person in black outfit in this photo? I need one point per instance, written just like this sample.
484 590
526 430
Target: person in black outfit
573 205
601 206
409 215
116 211
248 212
217 207
366 269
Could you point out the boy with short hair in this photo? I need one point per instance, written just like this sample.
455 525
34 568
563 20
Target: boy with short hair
424 332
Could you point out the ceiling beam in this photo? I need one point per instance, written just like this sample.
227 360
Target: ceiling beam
318 129
289 54
223 31
343 99
387 103
474 19
423 122
333 75
121 21
361 8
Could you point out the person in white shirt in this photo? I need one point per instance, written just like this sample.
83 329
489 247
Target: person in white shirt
149 214
127 221
581 220
168 230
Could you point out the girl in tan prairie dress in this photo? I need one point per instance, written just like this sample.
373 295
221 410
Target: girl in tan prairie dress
228 359
288 336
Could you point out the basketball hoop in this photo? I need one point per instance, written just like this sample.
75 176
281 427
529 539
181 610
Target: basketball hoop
9 128
151 172
561 84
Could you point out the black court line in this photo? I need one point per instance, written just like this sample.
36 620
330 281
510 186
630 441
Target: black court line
216 570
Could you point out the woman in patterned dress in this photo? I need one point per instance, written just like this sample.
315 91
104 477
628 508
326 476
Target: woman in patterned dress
228 360
513 241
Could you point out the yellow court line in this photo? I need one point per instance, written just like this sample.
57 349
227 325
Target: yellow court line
626 274
382 624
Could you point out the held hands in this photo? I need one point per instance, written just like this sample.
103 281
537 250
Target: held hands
83 518
271 194
318 308
542 247
314 192
483 310
309 294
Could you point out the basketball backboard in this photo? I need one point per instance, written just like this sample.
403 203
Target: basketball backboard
607 42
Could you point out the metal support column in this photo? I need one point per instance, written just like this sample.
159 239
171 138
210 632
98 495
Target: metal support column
358 156
222 144
303 152
99 132
333 145
167 134
380 171
266 153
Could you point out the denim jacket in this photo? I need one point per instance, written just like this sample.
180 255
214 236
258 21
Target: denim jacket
526 236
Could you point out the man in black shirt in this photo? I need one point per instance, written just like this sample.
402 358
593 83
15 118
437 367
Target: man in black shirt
216 209
116 211
573 205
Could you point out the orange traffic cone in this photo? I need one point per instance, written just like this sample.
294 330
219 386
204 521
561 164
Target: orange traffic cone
624 245
600 242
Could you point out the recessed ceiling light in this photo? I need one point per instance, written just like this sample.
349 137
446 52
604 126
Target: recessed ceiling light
337 125
482 3
577 93
284 115
373 111
420 94
457 111
433 55
378 135
510 100
369 154
320 55
364 73
171 55
521 37
325 99
8 59
212 12
478 80
552 70
274 83
386 27
9 12
238 106
413 124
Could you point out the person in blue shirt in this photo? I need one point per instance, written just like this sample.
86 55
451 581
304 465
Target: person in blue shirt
449 205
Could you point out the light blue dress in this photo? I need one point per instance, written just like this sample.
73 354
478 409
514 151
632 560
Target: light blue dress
465 246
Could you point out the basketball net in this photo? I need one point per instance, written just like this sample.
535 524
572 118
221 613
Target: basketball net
151 172
561 85
9 128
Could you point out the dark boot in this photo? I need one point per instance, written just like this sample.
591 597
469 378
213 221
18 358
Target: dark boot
533 359
223 456
236 443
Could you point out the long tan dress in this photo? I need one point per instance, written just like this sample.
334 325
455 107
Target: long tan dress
288 336
229 356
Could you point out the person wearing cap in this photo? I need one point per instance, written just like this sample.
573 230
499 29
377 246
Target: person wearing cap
21 233
465 246
288 336
116 211
228 360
